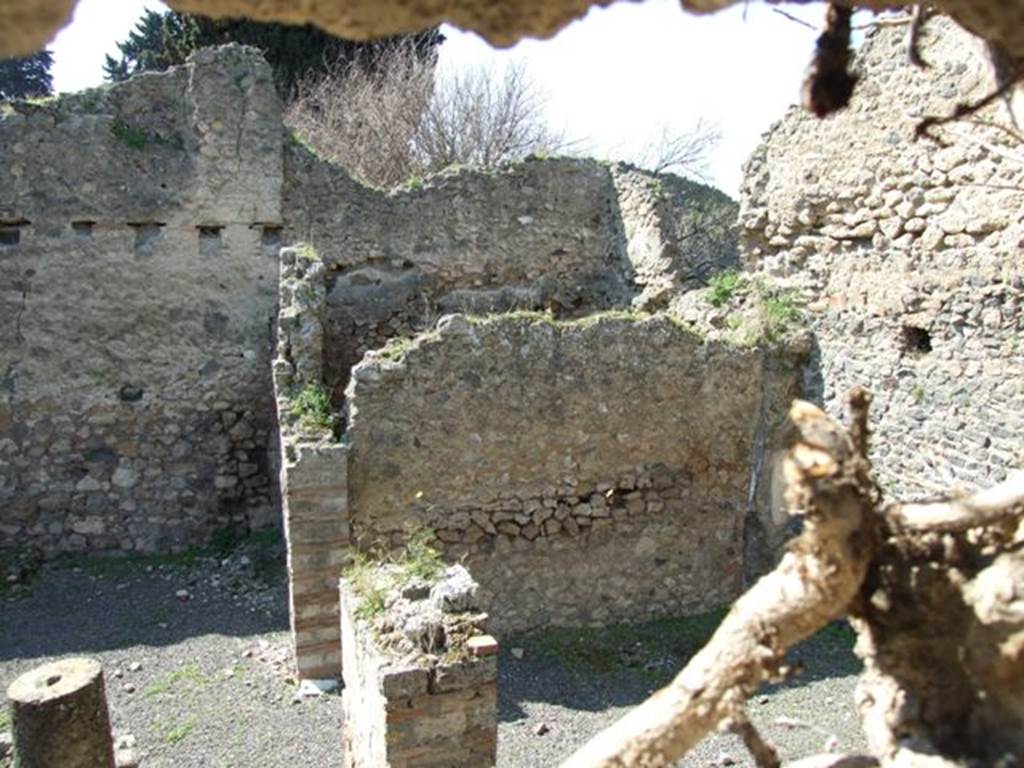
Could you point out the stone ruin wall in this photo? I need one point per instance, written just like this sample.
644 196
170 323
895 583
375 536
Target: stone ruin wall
138 265
140 282
405 706
570 237
153 424
908 255
588 471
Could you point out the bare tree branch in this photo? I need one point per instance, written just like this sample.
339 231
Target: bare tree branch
763 753
401 120
991 505
684 153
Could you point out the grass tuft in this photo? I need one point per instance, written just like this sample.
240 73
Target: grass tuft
372 580
724 286
369 583
176 732
307 252
311 406
189 675
135 138
420 559
779 313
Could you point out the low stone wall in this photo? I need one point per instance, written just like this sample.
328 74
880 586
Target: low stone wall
407 706
601 470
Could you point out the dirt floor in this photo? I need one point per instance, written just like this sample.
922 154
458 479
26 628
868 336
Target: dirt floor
195 652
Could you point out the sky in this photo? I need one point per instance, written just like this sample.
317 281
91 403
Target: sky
614 80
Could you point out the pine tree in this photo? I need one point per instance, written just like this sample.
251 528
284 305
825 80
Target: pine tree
26 77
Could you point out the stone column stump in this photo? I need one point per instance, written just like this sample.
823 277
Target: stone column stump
60 718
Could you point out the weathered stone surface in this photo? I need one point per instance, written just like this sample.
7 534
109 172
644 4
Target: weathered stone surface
406 704
133 393
634 441
927 314
455 591
59 716
566 235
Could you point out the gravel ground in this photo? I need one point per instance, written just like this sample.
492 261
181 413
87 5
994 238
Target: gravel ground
195 652
575 700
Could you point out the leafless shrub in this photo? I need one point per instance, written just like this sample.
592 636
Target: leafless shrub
366 119
401 120
476 118
685 154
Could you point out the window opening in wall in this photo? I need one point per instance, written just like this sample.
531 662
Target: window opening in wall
210 232
210 239
916 340
271 236
146 232
130 393
83 228
10 232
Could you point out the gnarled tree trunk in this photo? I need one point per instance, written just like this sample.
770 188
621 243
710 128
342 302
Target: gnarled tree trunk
935 592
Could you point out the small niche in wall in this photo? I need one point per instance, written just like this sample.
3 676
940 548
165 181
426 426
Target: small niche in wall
271 236
211 239
915 340
83 228
146 232
10 232
130 393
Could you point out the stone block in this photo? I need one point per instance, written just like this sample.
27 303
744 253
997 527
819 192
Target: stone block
466 674
482 645
403 682
317 466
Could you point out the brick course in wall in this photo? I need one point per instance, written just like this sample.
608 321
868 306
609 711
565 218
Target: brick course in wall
432 714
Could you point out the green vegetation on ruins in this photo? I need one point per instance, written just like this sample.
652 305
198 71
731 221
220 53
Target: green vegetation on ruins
311 406
139 138
397 346
307 251
184 677
779 313
174 731
585 321
372 580
723 286
759 312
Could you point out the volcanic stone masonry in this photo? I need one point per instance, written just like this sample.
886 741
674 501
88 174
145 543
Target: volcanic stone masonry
907 256
139 280
481 347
